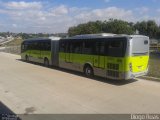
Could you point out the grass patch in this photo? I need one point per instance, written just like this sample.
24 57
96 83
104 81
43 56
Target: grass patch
154 65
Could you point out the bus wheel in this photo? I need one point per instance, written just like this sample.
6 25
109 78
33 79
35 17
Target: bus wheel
46 62
26 58
88 71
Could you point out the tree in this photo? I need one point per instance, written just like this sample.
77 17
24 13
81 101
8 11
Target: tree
86 28
152 29
118 27
111 26
148 28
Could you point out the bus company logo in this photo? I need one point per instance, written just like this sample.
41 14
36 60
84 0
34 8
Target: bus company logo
145 117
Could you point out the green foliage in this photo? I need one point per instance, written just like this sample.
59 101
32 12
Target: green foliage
87 28
148 28
117 27
111 26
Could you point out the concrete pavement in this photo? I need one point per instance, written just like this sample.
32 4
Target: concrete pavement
29 88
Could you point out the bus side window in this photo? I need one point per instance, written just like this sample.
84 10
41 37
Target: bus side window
46 46
87 47
115 48
62 46
102 48
69 45
38 45
42 45
29 46
77 47
32 46
99 48
106 47
96 49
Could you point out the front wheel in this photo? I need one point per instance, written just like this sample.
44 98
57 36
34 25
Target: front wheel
88 71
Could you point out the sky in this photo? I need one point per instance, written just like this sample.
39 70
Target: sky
56 16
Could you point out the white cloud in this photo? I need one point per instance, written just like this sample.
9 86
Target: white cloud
23 5
104 14
14 25
60 18
60 10
34 17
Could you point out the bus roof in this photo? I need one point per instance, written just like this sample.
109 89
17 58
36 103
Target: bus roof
88 36
95 35
100 35
138 36
92 36
44 38
103 35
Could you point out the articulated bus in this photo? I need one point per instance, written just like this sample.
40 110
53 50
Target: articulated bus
112 56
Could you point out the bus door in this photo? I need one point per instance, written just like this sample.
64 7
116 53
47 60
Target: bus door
99 58
68 54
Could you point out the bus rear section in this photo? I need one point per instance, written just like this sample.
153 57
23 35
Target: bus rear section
138 57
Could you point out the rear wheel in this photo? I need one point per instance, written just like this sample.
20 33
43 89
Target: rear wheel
88 71
46 62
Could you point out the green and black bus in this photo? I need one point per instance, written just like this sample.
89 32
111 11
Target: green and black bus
111 56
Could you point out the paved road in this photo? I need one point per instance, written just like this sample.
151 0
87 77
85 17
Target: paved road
30 88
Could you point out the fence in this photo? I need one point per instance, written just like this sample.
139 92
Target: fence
11 49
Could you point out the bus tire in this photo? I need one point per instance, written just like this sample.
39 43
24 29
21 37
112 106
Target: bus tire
88 71
46 62
26 58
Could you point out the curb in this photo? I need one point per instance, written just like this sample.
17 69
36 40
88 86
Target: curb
150 78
